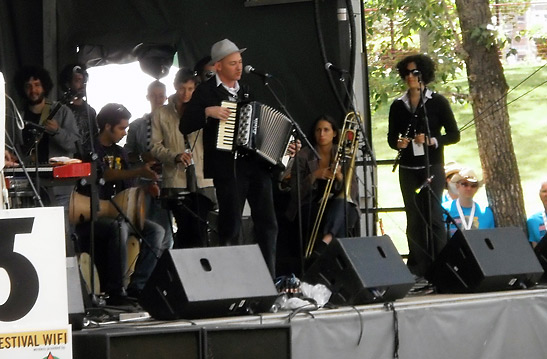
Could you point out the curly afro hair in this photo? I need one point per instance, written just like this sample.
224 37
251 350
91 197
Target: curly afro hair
25 73
423 63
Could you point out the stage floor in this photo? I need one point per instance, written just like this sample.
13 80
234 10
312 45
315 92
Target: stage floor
498 325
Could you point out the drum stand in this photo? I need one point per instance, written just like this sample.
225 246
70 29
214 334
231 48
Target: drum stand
132 226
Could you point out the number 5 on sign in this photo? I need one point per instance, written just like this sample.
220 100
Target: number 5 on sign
33 289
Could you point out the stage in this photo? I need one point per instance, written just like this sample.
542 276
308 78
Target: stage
498 325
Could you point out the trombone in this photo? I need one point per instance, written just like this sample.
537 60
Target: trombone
347 150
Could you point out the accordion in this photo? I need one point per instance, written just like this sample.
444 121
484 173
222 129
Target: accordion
256 128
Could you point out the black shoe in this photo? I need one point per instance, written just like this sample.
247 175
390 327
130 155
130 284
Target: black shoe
134 293
117 300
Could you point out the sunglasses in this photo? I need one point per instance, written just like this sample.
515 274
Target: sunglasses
406 72
469 184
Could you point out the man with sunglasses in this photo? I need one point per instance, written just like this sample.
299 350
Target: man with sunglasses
467 213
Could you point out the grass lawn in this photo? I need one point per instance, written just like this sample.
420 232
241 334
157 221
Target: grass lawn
528 116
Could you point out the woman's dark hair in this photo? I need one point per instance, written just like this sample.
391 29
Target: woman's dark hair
184 75
424 64
112 114
25 73
333 124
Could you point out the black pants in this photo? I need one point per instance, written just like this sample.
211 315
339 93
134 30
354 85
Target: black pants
421 253
252 182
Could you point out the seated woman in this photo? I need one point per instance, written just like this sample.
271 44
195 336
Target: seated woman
341 214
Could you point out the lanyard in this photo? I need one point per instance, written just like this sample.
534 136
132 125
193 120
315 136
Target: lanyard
466 225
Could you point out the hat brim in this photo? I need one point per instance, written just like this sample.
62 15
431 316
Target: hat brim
457 178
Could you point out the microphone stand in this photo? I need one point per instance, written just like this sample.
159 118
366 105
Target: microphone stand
449 218
299 134
94 200
365 149
429 227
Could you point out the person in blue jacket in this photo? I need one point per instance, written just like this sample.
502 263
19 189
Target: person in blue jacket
467 213
536 222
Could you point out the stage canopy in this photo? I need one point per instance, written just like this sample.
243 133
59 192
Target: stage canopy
291 39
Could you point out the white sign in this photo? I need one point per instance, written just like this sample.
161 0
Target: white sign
33 285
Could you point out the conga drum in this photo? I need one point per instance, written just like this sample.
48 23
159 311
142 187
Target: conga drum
131 202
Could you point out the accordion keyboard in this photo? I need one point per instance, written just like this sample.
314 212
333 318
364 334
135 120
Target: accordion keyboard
227 129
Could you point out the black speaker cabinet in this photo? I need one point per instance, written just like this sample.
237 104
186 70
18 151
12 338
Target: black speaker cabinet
209 282
361 270
541 252
486 260
247 342
138 343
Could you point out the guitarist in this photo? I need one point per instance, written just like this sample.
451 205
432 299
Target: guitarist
60 132
51 124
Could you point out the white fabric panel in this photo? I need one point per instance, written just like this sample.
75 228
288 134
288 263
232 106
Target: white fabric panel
474 326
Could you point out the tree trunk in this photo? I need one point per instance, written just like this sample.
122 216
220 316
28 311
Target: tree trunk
488 90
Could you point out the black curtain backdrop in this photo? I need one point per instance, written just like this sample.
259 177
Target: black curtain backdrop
20 37
280 39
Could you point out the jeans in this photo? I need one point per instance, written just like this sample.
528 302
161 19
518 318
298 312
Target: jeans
110 257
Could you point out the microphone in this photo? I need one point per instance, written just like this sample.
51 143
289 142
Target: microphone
249 69
425 184
331 67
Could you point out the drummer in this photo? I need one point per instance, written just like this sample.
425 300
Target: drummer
111 234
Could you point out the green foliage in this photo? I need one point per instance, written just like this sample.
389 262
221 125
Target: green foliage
396 28
484 35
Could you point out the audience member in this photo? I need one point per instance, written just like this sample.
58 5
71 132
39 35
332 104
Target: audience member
138 146
188 194
450 169
537 222
467 213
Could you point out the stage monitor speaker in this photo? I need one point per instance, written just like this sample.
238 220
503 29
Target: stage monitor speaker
541 252
248 342
361 270
485 260
138 343
209 282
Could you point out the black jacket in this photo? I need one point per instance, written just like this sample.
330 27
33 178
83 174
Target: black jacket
217 164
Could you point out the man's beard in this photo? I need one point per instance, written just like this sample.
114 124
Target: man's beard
38 101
